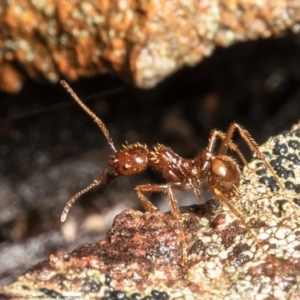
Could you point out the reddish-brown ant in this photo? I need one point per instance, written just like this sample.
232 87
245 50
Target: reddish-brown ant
218 173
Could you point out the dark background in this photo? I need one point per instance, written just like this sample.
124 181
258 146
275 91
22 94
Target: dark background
50 148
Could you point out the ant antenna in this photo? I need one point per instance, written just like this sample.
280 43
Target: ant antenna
90 113
74 198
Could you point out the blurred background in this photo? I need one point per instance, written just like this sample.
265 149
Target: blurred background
50 149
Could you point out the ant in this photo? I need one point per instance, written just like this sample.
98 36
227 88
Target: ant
218 173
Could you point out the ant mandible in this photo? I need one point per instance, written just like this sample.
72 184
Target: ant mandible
218 173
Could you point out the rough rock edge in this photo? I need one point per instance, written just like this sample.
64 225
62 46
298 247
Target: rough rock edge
142 41
142 252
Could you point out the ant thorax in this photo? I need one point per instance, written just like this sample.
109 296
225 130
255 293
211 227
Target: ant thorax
173 167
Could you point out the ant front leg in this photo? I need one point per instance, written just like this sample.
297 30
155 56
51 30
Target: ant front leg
145 201
165 188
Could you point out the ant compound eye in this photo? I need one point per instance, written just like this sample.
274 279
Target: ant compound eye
126 167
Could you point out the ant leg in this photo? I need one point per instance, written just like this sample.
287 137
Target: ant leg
225 200
198 194
221 135
232 146
244 134
145 201
166 188
251 144
75 197
212 140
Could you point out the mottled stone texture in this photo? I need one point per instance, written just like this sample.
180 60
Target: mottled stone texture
142 41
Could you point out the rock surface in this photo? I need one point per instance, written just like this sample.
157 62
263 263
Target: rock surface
142 41
142 254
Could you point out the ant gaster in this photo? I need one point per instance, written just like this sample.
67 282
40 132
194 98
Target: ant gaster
218 173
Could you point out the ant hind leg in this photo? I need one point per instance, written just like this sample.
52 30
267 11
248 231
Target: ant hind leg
219 195
251 144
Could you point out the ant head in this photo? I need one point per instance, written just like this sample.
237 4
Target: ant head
132 159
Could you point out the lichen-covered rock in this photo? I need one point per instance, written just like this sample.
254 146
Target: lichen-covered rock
142 253
142 41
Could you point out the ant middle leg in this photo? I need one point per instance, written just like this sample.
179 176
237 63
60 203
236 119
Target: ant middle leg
165 188
198 194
